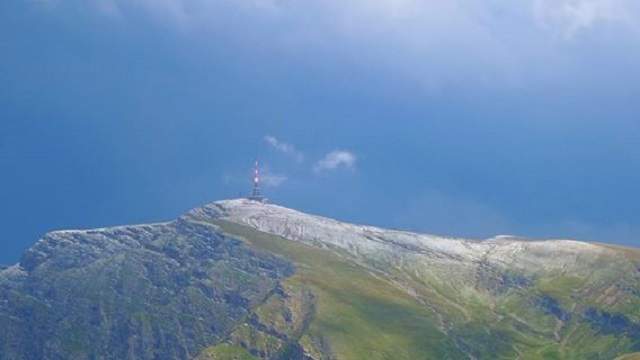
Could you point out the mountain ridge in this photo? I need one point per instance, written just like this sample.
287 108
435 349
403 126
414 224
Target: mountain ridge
243 203
234 202
243 279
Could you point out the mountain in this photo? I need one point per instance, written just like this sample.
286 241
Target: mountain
239 279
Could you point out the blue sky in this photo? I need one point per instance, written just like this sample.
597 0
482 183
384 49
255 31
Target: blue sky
463 118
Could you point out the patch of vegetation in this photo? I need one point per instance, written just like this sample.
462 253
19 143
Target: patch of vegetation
561 288
635 356
357 314
226 352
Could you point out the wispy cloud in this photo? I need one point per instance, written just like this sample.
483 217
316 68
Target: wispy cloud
570 17
284 148
273 180
334 160
431 43
268 178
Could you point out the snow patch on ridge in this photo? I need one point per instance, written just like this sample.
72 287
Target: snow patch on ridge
401 248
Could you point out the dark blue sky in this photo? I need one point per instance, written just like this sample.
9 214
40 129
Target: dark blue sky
471 118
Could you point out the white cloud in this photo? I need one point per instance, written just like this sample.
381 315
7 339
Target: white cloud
284 148
272 180
336 159
433 45
268 178
570 17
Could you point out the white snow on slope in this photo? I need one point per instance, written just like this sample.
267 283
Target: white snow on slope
398 247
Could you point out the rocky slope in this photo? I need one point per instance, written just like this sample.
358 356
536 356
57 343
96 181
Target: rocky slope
240 280
151 291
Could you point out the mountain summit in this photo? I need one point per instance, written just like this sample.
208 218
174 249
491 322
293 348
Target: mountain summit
240 279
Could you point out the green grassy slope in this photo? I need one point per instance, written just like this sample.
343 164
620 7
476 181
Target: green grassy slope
357 315
363 314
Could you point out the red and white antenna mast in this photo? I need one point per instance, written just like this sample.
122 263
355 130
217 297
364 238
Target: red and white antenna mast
256 194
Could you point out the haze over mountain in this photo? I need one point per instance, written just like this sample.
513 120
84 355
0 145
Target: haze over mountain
240 279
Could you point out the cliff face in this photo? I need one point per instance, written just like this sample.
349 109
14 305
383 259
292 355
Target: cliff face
239 279
150 291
